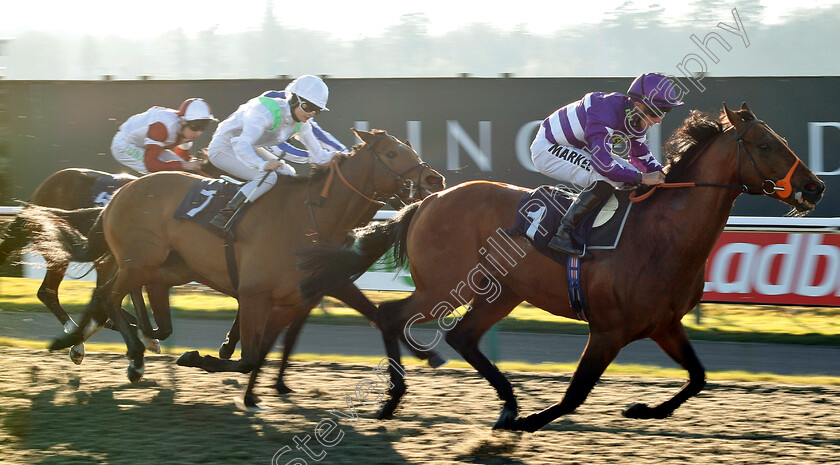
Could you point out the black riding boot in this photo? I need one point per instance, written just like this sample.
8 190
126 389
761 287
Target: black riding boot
224 219
586 202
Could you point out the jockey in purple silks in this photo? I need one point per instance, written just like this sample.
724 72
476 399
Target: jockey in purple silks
598 144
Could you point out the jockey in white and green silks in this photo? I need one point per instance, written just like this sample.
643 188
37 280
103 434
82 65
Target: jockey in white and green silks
264 122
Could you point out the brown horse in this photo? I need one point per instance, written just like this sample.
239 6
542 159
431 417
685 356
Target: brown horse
641 289
72 189
139 230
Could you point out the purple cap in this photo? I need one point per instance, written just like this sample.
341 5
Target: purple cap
655 89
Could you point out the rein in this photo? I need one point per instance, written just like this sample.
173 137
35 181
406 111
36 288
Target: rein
335 169
768 187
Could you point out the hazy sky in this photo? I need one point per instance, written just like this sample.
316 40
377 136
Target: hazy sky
342 19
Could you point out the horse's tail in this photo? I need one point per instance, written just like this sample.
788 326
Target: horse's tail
333 268
62 236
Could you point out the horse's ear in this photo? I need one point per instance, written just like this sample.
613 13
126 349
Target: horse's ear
744 107
733 117
408 143
365 136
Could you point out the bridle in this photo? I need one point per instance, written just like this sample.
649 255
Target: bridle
403 184
781 187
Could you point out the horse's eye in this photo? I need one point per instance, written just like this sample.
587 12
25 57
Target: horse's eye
763 146
391 154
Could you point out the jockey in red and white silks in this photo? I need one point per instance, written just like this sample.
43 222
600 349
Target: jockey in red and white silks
159 139
598 144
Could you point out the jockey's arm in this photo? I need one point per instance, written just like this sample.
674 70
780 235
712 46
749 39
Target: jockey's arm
154 146
253 127
317 154
602 160
296 155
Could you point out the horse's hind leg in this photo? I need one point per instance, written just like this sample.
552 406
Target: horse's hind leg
467 333
600 351
352 296
392 324
676 344
48 295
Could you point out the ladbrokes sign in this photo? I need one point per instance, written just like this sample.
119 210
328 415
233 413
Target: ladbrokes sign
774 268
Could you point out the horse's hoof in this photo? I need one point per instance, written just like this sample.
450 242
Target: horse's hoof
436 361
77 353
134 374
64 341
153 346
387 410
189 359
642 411
226 351
250 403
282 388
506 419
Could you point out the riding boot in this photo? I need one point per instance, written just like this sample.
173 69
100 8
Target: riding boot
224 219
586 202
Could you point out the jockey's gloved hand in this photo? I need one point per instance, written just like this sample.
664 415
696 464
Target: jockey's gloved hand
285 169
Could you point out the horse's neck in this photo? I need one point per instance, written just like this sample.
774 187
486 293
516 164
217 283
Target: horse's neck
345 209
687 222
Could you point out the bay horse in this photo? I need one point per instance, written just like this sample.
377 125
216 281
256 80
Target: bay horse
641 289
138 228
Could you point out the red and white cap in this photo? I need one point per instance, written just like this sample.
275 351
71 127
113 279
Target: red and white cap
195 109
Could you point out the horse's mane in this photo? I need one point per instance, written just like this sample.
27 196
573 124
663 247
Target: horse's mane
696 132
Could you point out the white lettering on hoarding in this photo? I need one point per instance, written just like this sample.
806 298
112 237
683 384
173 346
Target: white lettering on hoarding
814 249
456 137
802 265
722 263
815 147
787 251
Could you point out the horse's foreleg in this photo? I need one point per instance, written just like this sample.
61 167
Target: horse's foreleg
92 320
467 333
676 344
289 341
143 322
135 347
159 301
600 351
232 338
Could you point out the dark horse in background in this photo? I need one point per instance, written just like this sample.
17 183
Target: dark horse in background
138 228
77 189
68 189
641 289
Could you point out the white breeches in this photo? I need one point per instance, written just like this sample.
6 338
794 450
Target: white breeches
132 156
569 164
260 181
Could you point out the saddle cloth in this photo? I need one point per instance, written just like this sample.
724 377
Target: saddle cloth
541 210
205 199
105 186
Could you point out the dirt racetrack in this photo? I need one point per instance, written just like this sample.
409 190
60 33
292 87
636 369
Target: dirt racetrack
52 412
